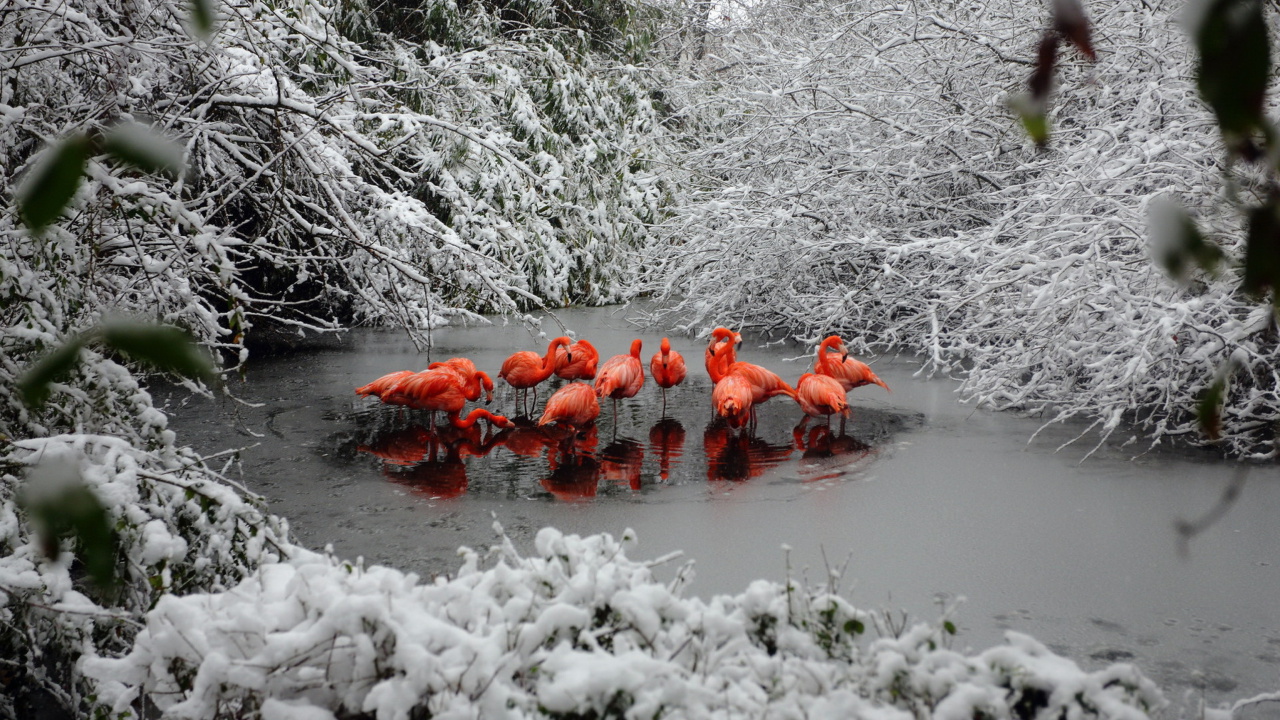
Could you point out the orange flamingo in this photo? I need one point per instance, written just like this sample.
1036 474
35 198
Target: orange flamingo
439 389
733 400
380 387
577 361
764 383
466 370
720 336
524 370
821 395
621 376
850 372
574 405
668 369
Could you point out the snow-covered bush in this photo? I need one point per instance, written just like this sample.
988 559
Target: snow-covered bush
862 174
575 630
415 165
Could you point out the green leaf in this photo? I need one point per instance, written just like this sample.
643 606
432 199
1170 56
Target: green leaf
34 383
202 17
949 626
854 627
48 190
143 148
163 347
1235 62
62 506
1031 112
1262 250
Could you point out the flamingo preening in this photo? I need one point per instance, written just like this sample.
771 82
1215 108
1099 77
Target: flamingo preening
577 361
821 395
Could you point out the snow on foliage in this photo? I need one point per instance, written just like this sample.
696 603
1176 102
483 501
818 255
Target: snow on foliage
577 629
860 173
457 161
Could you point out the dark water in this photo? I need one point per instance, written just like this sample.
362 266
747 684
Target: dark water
921 501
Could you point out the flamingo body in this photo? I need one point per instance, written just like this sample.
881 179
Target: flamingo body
667 366
574 404
821 395
621 376
379 387
525 369
732 399
577 361
466 370
833 359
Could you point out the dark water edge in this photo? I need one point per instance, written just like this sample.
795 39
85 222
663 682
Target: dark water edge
929 501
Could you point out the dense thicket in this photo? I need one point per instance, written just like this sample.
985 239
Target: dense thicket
414 164
862 173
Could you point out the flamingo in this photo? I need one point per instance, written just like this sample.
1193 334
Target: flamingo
764 383
574 405
621 376
432 390
524 369
733 399
668 370
466 370
849 372
378 388
720 336
577 361
821 395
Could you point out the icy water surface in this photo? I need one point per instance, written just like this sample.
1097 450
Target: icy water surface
921 501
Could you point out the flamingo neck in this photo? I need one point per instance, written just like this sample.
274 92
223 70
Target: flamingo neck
823 361
469 420
635 348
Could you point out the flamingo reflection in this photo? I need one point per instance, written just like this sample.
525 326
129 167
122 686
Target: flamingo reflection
621 462
575 471
666 440
738 455
827 454
430 462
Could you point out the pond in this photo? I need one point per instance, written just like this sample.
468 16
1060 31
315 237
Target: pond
922 502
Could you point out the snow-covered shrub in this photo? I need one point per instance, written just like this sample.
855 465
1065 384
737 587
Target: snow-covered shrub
575 630
862 174
458 160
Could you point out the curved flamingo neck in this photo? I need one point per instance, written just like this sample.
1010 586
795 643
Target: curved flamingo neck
823 362
549 360
471 419
635 348
723 356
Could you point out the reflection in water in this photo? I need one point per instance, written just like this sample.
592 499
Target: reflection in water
738 456
666 440
826 454
621 462
575 472
432 459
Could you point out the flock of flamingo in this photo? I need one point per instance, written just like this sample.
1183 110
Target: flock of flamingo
433 460
739 386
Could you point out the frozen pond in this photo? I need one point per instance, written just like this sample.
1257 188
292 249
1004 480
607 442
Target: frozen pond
923 501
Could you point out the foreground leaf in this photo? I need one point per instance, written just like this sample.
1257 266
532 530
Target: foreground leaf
143 148
163 347
48 190
34 383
